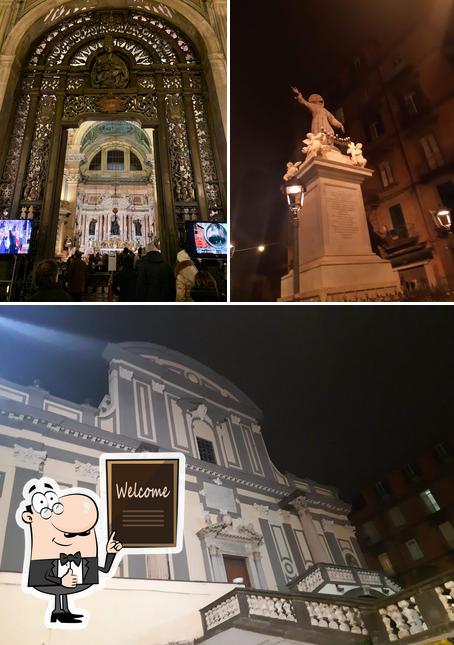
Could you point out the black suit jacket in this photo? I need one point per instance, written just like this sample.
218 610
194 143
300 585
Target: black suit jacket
44 573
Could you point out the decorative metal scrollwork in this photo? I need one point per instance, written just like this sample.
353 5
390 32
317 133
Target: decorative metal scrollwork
39 155
180 157
168 45
209 173
75 105
14 152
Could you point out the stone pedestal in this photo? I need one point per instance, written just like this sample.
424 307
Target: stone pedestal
336 258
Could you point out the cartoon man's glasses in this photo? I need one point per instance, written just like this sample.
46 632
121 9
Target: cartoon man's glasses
46 503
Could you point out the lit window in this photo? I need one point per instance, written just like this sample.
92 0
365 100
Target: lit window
115 160
432 152
447 532
206 450
414 549
386 174
396 516
370 531
430 501
134 162
386 564
95 163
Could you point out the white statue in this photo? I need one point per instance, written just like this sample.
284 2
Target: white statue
314 143
355 150
292 170
322 119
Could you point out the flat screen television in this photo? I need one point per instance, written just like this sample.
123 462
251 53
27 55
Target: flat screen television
208 239
15 236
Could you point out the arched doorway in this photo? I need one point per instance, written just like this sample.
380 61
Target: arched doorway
109 65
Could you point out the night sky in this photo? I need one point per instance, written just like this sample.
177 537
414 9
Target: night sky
273 46
346 391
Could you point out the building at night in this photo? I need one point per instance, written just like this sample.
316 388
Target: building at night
264 553
398 98
405 521
113 121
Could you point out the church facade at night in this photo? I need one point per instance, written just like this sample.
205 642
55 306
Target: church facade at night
253 537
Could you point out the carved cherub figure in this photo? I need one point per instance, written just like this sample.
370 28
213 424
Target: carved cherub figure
292 170
322 119
314 143
355 150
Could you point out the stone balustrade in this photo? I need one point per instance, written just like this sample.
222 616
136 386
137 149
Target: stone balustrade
420 614
324 575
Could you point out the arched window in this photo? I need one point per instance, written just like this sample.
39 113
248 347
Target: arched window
134 162
115 160
95 163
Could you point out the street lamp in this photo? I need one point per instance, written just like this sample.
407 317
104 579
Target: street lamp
295 199
443 220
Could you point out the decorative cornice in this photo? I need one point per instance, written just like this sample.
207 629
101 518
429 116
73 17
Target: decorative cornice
158 387
327 525
237 480
86 472
29 458
59 428
124 373
225 530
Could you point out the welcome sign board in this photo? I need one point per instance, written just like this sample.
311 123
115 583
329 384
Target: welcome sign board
144 500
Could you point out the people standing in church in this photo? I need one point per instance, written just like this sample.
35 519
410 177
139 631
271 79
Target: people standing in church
46 282
185 272
127 280
205 288
155 279
76 277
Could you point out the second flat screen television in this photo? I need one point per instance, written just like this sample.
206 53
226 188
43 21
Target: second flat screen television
207 239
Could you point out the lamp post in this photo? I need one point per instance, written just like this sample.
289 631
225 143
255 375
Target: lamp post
295 199
443 219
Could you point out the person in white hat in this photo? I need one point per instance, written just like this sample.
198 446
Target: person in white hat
185 272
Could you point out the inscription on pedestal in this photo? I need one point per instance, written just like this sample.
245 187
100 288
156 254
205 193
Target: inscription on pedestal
342 206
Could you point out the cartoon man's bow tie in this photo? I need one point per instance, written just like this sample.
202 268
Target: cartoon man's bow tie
65 558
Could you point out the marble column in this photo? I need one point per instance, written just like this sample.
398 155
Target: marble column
316 546
257 562
29 465
217 563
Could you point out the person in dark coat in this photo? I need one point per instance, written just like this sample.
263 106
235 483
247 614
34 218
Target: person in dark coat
205 288
155 279
127 281
47 287
77 277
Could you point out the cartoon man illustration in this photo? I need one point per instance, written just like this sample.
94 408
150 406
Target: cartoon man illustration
61 547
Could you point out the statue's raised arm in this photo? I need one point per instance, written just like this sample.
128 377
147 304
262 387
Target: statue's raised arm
300 98
322 120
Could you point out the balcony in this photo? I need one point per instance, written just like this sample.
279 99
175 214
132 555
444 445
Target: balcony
346 581
415 616
402 246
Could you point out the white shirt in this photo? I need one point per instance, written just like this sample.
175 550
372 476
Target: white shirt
77 570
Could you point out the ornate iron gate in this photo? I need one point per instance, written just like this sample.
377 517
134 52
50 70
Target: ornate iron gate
112 65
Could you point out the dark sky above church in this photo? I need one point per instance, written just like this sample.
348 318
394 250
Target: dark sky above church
346 391
275 45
